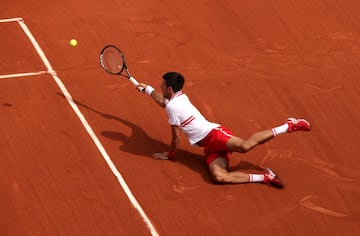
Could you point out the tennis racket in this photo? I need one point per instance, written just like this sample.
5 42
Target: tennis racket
112 60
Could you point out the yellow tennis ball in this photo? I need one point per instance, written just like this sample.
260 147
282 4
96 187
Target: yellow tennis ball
73 42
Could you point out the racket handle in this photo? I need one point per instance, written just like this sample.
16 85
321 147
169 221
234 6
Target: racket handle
135 83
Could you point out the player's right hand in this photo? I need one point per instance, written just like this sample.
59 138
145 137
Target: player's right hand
141 87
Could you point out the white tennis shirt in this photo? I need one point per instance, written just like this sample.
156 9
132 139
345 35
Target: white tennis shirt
181 112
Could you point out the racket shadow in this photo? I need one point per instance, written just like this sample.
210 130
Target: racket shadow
149 145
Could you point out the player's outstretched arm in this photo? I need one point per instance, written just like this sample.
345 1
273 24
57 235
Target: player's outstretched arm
157 96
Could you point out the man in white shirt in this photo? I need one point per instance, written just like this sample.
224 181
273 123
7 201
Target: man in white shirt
218 142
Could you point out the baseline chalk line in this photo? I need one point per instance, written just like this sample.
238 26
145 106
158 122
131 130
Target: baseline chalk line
23 74
10 20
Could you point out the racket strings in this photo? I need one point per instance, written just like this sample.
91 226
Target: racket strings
112 61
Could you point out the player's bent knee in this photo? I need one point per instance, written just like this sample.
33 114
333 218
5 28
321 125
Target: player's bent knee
246 146
242 148
218 170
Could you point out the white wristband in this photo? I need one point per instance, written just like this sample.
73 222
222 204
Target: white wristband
149 90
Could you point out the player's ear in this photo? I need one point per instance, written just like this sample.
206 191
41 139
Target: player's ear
170 90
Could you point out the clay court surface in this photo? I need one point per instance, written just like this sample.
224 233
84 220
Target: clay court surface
249 66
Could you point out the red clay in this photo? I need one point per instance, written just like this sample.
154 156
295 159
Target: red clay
249 65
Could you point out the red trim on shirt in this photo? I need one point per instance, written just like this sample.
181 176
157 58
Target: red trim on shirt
187 121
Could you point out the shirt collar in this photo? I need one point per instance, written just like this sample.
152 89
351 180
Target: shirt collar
178 93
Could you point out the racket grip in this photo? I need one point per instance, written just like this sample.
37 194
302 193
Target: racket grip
135 83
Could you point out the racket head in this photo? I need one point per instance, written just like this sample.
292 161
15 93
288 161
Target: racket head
112 60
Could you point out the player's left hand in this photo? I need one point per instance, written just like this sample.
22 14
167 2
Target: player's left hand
161 155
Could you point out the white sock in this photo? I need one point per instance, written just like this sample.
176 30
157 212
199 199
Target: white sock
280 129
256 178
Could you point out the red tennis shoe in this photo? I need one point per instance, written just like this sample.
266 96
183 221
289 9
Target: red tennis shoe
298 125
270 178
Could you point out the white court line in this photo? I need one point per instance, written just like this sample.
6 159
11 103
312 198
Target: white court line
10 20
23 74
86 125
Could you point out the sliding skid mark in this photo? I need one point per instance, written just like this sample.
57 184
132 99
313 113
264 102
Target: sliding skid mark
308 202
314 164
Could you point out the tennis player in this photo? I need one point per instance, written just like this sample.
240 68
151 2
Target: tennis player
218 142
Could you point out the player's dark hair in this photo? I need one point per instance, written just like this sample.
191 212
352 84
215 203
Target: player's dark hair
174 80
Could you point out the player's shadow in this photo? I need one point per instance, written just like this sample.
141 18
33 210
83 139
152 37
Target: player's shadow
141 144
